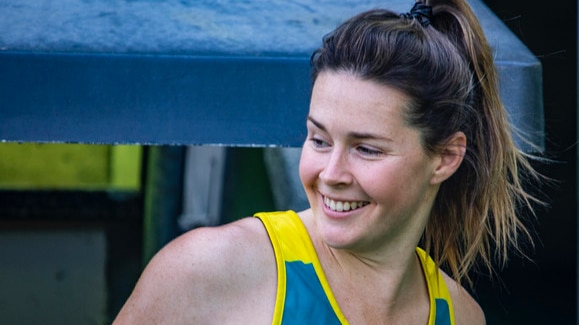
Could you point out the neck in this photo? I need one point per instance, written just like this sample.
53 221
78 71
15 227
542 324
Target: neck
374 286
395 269
384 291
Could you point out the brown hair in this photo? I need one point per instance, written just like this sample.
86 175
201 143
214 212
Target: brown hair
446 67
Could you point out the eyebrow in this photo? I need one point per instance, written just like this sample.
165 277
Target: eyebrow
353 135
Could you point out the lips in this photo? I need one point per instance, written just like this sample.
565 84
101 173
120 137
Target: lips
341 206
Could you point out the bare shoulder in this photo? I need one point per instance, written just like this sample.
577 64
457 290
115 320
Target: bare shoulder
202 274
466 309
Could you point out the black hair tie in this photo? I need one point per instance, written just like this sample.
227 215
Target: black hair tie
420 12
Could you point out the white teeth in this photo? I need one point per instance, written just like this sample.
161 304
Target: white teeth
343 206
347 206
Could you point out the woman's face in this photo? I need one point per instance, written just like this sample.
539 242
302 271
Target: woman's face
366 175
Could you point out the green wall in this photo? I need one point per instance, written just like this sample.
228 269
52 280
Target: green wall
69 166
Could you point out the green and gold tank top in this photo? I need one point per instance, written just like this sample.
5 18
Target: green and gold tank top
303 293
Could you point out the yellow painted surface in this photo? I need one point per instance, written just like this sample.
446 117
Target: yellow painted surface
69 166
125 167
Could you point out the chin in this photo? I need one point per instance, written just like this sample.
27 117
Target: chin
336 236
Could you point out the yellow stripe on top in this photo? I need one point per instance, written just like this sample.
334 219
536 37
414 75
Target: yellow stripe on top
291 242
437 288
281 279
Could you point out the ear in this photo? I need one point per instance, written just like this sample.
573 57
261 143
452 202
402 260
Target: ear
450 158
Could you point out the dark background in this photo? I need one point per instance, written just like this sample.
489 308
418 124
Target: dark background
543 291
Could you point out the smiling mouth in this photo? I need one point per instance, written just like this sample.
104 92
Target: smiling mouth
341 206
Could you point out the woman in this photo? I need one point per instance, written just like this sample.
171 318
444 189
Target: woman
408 145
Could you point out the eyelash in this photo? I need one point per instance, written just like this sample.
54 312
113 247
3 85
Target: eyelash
367 151
319 143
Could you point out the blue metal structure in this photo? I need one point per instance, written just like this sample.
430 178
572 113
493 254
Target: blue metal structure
187 72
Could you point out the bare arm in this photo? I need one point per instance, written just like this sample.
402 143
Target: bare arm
209 275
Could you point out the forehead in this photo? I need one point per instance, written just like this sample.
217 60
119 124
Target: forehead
341 97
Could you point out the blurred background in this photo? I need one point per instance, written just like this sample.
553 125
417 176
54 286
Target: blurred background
72 217
543 291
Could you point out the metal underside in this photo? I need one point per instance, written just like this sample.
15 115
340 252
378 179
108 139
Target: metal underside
169 72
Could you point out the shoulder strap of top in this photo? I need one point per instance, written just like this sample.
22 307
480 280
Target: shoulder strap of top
266 219
291 242
441 309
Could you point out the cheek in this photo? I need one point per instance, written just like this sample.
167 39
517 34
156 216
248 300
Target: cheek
381 184
307 167
395 182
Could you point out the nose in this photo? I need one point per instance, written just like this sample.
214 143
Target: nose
337 168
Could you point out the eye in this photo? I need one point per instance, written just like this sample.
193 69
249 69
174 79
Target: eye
367 151
318 143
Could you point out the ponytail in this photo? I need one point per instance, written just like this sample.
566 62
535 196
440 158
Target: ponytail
494 170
